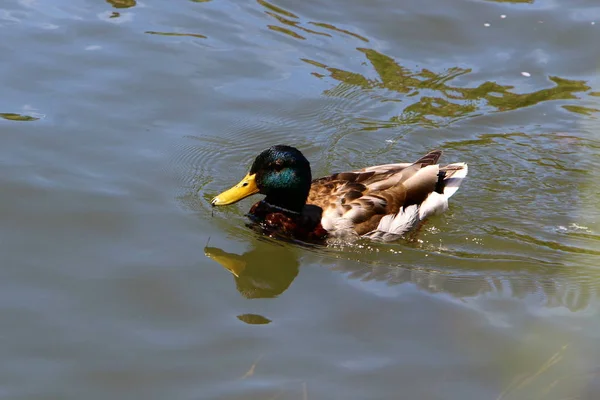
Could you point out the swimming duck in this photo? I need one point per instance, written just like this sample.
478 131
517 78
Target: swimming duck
382 202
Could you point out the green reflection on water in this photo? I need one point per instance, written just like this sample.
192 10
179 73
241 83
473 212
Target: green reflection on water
286 31
280 15
17 117
581 109
294 24
254 319
196 35
122 3
278 10
433 101
430 99
333 28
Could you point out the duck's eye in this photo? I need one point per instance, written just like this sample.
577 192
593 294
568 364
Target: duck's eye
278 165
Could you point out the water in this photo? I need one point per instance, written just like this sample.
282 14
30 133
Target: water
121 119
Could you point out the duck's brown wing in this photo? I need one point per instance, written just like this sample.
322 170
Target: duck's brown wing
354 202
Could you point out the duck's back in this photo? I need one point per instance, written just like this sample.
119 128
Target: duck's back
383 202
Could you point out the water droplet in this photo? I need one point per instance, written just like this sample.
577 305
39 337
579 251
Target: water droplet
503 16
527 74
486 25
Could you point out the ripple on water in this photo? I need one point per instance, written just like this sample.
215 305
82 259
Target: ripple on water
437 272
498 236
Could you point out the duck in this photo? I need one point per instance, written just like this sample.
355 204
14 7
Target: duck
382 203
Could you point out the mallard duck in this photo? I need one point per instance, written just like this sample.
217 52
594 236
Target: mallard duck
382 202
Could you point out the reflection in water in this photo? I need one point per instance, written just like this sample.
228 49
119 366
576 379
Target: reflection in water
196 35
254 319
512 1
122 3
555 290
291 20
17 117
432 101
269 269
263 272
333 28
581 110
276 9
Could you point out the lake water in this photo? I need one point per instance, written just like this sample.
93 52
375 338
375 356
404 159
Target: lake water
121 119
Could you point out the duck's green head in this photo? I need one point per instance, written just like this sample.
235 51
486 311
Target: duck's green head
282 173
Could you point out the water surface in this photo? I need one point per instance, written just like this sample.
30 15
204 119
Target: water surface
121 119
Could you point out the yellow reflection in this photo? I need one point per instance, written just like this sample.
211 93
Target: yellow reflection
17 117
122 3
266 271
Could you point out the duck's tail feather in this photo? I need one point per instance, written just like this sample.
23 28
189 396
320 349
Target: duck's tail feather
449 179
430 158
394 226
453 177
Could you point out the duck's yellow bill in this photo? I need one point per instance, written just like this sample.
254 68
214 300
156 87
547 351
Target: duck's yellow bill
245 188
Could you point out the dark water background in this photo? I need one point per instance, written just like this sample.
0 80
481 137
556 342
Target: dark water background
120 119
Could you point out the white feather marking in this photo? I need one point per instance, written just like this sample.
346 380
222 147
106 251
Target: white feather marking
377 201
434 204
328 218
353 213
343 228
405 220
392 227
453 183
